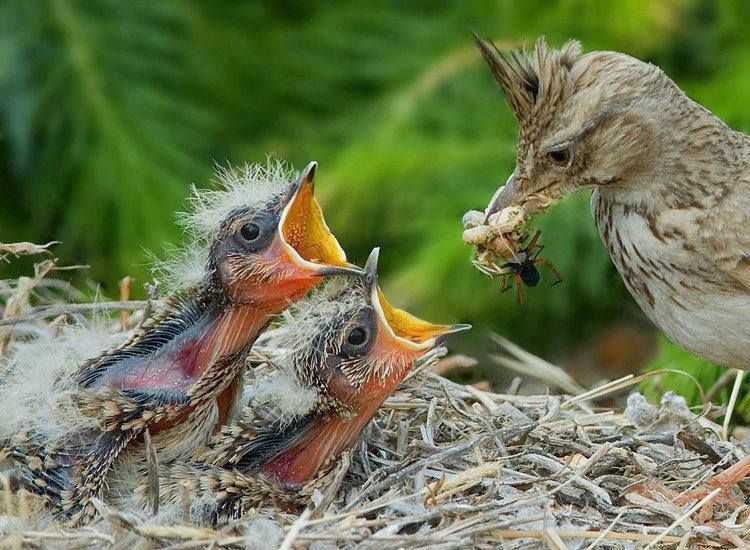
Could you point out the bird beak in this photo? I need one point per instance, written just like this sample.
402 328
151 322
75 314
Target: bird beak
304 235
407 330
505 196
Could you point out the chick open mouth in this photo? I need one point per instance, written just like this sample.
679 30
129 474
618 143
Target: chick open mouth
411 331
304 231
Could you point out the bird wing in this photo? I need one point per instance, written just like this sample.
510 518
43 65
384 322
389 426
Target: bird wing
224 493
45 467
246 447
122 410
178 314
77 503
723 236
123 415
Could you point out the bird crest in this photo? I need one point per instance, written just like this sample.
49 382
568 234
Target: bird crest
531 80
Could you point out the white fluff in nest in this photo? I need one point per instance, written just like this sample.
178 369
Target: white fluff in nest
672 414
263 534
251 186
38 385
639 411
288 397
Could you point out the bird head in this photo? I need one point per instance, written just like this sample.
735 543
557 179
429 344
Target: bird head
363 350
354 348
265 236
584 120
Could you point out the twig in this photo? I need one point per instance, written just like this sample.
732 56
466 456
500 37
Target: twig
528 364
606 532
24 249
732 402
295 529
512 534
20 299
44 312
125 283
708 498
726 377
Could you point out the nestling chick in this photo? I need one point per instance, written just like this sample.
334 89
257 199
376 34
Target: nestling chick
671 184
349 346
259 242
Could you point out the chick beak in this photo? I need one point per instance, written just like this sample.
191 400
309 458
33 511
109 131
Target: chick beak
309 246
406 330
411 332
505 196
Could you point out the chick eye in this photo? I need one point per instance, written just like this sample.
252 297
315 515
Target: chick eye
357 336
250 232
560 156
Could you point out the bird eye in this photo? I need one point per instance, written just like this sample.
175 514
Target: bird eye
357 336
250 232
560 156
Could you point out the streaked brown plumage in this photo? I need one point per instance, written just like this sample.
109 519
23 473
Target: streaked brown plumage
671 184
350 346
180 375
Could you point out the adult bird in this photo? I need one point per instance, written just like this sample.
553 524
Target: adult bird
346 350
671 184
258 242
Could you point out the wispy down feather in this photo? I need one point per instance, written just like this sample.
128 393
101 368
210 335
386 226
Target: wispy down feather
38 381
249 186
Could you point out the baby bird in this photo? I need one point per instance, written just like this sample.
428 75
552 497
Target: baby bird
349 348
259 242
671 184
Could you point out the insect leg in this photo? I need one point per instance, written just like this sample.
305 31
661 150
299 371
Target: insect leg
552 268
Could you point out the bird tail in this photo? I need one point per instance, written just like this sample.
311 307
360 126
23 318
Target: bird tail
77 502
44 468
212 495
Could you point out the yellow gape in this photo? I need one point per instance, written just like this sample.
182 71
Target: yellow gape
305 229
407 327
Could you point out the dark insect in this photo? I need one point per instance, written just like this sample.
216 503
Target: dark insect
522 268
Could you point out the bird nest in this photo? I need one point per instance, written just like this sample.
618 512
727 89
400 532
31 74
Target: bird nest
444 465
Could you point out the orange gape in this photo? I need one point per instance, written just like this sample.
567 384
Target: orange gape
408 326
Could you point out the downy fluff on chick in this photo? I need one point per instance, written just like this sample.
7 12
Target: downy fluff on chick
263 243
347 349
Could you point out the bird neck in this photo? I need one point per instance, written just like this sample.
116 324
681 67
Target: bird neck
325 436
229 330
321 440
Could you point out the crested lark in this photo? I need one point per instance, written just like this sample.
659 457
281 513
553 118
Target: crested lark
671 184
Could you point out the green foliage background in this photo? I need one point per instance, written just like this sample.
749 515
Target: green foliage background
109 110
